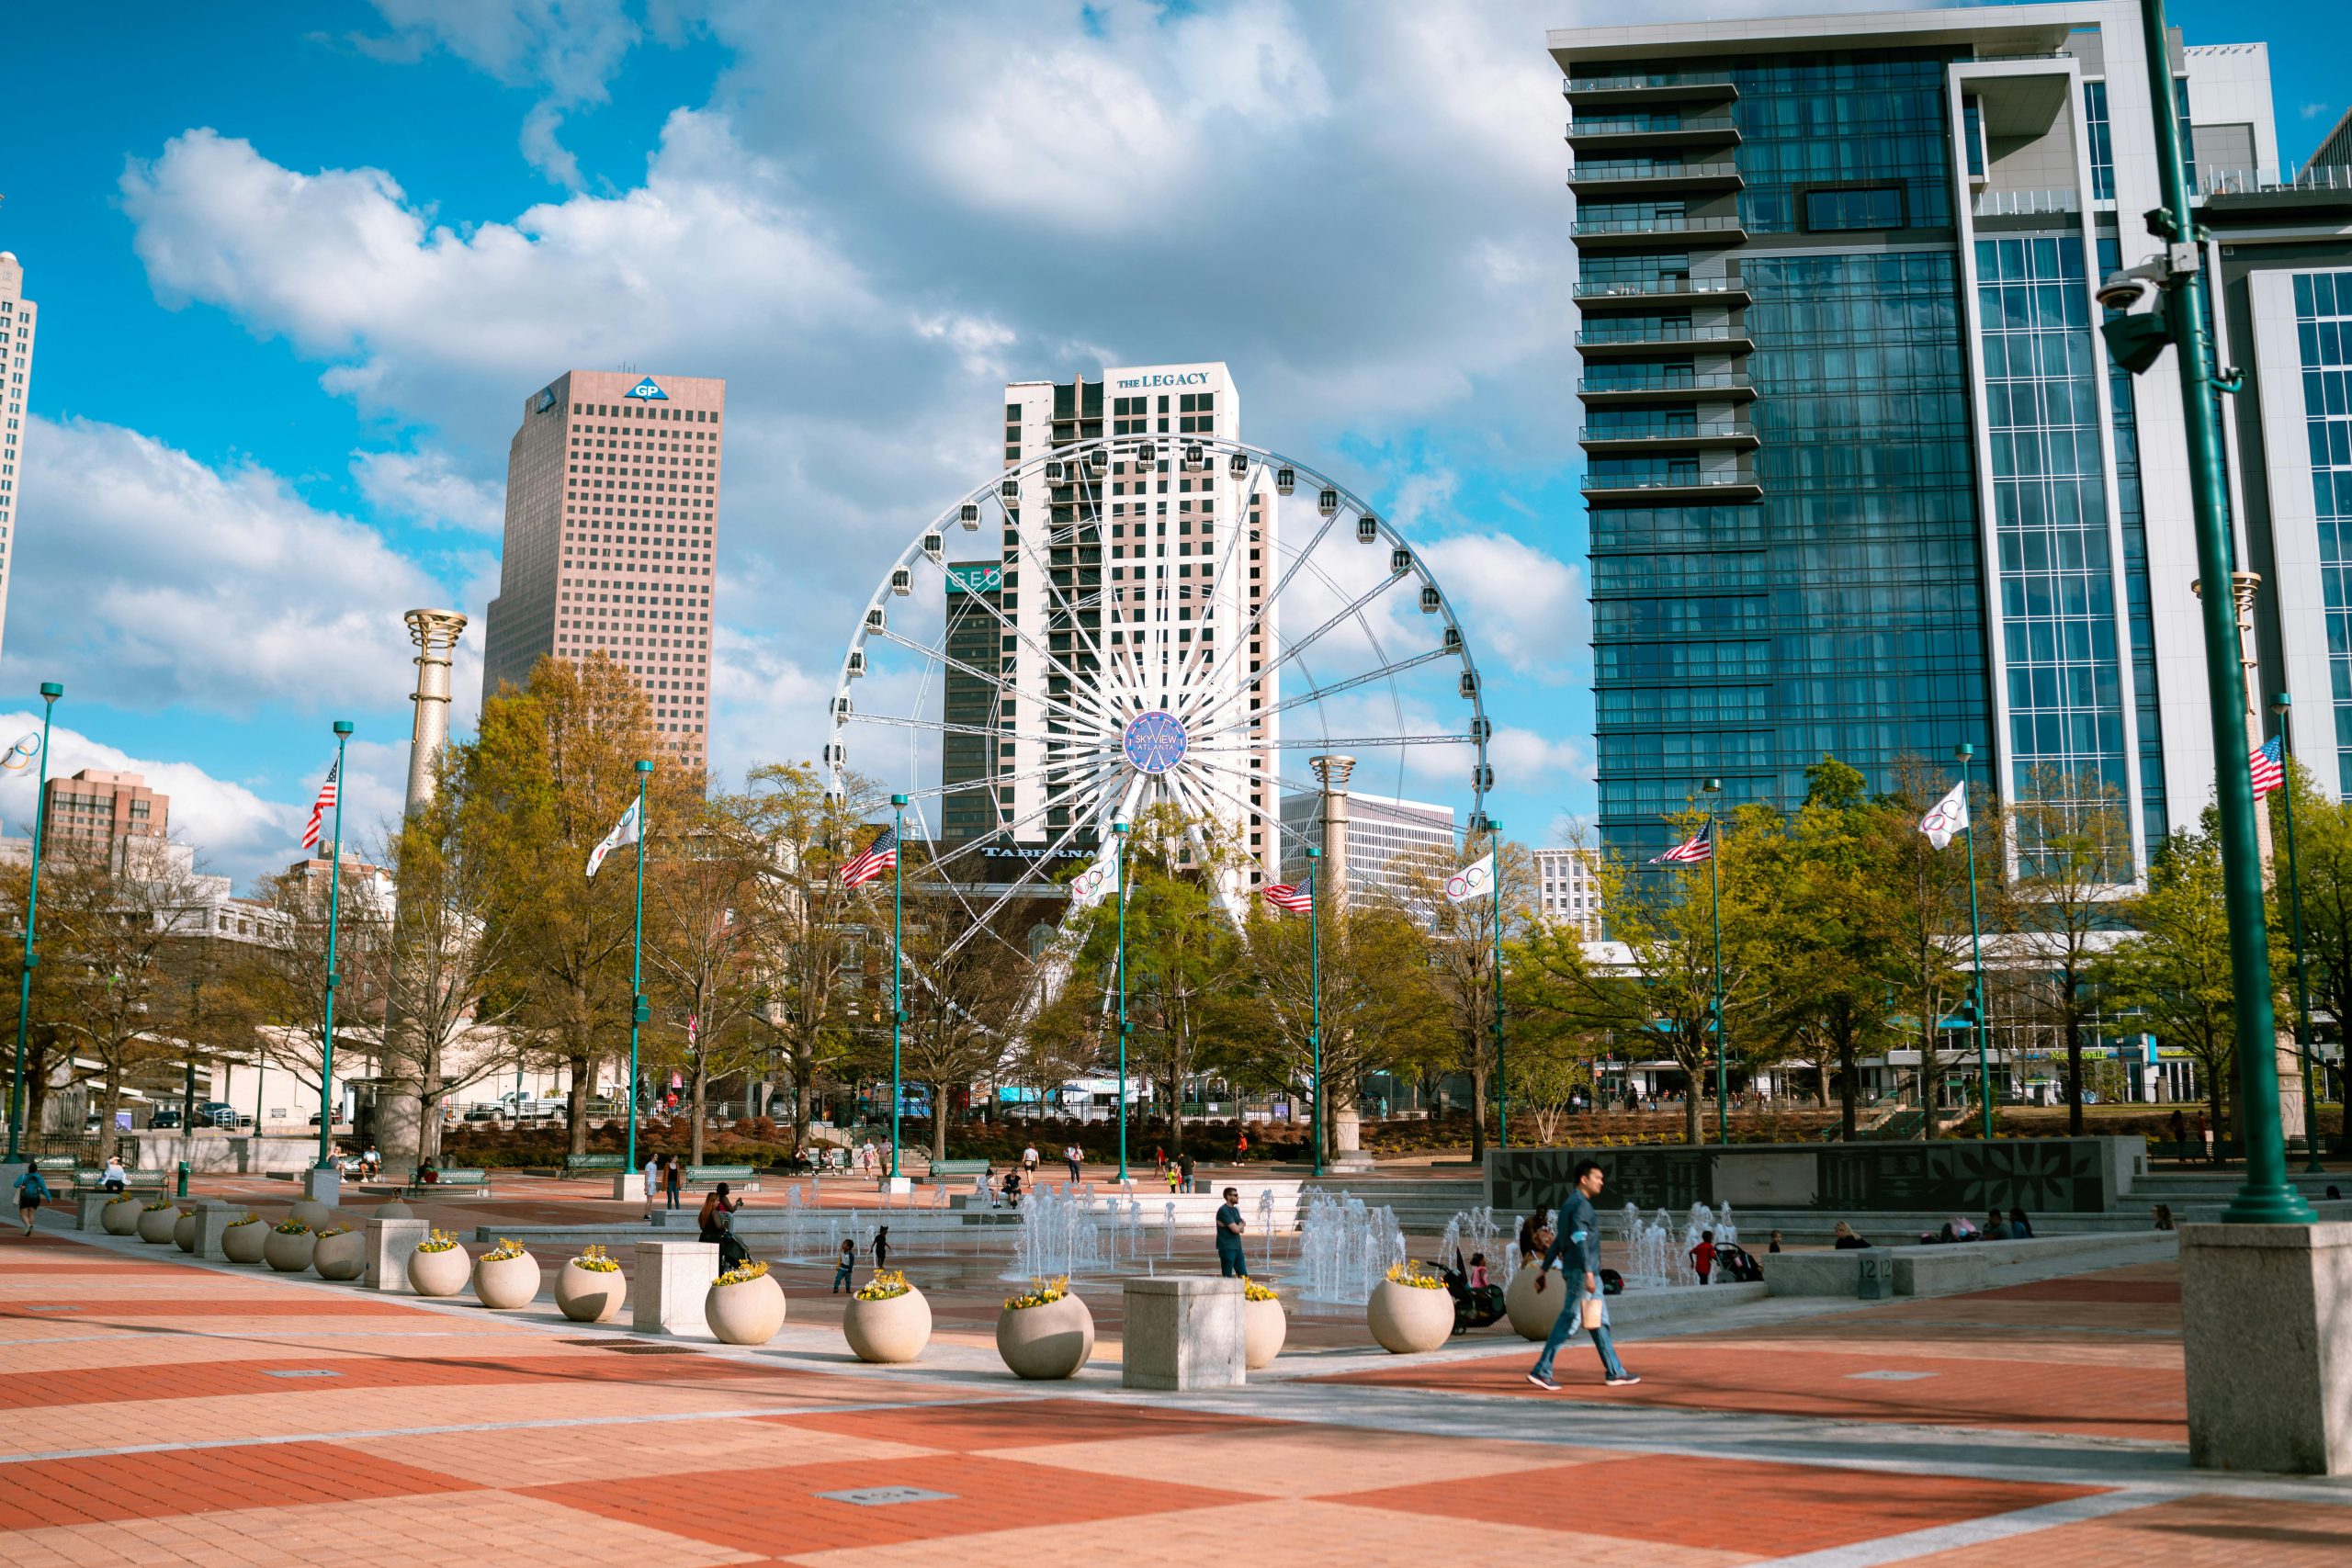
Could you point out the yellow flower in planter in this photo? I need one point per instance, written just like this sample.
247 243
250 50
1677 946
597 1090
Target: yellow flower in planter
1253 1292
159 1204
742 1274
597 1260
248 1220
436 1241
504 1249
885 1284
292 1227
1041 1293
335 1230
1410 1275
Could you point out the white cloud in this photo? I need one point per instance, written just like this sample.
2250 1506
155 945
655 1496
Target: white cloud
164 582
1527 761
1523 605
426 487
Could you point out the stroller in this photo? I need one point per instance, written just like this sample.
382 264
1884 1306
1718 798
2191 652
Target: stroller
1473 1307
1736 1264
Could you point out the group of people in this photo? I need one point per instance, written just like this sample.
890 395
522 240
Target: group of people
1997 1226
665 1184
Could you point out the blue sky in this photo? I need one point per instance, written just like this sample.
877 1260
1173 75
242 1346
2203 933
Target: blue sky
299 266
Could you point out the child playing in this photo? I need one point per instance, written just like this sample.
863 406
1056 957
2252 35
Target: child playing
841 1266
1477 1271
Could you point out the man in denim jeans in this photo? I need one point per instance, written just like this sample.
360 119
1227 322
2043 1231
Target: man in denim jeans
1579 1227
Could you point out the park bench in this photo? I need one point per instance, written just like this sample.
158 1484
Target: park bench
577 1165
57 1165
474 1183
742 1176
945 1169
88 1180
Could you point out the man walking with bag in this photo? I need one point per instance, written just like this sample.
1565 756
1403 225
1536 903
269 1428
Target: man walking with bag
1579 1238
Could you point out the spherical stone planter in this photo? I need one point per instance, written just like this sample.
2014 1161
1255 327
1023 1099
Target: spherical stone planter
745 1313
311 1213
288 1252
442 1273
589 1295
501 1283
155 1226
895 1328
1264 1326
1533 1314
1046 1342
244 1243
1404 1318
121 1216
392 1208
183 1231
343 1255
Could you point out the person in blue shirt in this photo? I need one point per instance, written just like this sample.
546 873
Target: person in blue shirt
1577 1236
32 1191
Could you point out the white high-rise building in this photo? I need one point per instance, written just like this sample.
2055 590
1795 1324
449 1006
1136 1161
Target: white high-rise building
1137 580
1387 838
16 376
1565 892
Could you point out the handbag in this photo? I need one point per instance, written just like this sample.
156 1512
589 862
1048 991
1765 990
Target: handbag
1588 1313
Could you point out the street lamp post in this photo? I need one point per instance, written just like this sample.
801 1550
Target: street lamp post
1963 751
1315 1003
334 911
1715 898
187 1090
50 692
898 969
1119 831
2283 706
2138 339
1502 1068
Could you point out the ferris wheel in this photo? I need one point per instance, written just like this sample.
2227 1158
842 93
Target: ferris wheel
1133 622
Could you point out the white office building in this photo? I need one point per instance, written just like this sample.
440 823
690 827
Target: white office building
1387 837
1565 891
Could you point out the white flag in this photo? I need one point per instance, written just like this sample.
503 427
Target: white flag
1097 882
1950 816
624 832
1472 881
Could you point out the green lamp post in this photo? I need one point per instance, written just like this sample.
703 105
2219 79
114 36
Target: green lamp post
1713 788
50 692
1963 753
1119 828
334 911
1315 1003
1502 1068
2283 706
898 969
639 1013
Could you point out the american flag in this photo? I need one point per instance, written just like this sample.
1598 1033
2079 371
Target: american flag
881 855
2268 768
321 807
1699 846
1295 896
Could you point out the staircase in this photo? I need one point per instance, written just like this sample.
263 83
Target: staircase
1422 1204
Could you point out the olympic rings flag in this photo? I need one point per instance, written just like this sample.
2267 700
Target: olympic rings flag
1097 882
1473 880
20 756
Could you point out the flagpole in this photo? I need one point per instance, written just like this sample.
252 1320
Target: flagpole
1715 898
636 1009
2284 706
1314 1000
1502 1068
50 692
334 891
1119 831
1977 950
897 967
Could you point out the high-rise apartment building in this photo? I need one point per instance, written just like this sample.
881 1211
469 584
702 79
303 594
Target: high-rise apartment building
1862 480
975 603
16 314
612 522
1566 893
1122 561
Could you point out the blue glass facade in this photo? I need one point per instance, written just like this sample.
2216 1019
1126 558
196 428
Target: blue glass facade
2323 334
1842 120
2132 512
2101 139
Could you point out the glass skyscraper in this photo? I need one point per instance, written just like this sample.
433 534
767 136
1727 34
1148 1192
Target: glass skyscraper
1862 480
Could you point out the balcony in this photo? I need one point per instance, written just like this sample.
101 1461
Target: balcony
1667 387
1622 340
1632 439
2027 203
1626 233
1655 87
1656 291
1602 177
1592 134
1668 489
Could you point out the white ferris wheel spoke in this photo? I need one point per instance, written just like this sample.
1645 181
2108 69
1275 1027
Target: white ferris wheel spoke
941 656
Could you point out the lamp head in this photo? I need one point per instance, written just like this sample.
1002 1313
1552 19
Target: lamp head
2281 702
1963 751
342 726
50 690
644 764
1119 825
1313 852
898 800
1713 786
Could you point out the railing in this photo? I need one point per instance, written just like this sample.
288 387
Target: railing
1677 331
1685 481
2261 182
2025 203
1637 287
1652 79
1594 173
1645 125
1666 382
2003 59
1665 430
1659 224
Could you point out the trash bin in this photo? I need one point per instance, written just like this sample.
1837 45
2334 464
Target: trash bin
183 1190
1877 1281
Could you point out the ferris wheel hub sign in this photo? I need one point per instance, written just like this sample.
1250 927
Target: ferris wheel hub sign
1154 742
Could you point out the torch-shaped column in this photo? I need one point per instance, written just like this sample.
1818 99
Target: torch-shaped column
1332 893
401 1123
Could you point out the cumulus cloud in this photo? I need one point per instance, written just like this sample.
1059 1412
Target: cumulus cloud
426 487
1525 605
166 582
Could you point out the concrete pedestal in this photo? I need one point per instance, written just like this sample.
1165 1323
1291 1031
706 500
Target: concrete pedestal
628 1187
2267 1327
389 1244
1184 1332
323 1186
86 1204
213 1221
671 1281
897 1184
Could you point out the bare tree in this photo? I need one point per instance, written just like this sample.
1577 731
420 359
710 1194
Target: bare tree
2072 855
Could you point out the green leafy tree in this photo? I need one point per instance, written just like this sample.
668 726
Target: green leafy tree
2324 874
2174 968
2071 854
1462 954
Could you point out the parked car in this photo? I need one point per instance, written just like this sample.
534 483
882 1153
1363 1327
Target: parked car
217 1113
483 1112
164 1121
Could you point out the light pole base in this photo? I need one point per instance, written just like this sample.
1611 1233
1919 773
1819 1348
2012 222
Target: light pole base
2269 1371
897 1184
323 1184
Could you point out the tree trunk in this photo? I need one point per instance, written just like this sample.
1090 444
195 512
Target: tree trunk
1821 1082
575 1102
938 1123
2075 1078
1478 1118
803 1106
1849 1110
701 1086
114 1100
1690 1105
1931 1076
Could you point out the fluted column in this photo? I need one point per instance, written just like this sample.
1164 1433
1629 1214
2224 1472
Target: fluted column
436 633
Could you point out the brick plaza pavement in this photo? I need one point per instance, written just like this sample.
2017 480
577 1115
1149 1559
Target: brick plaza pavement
162 1411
